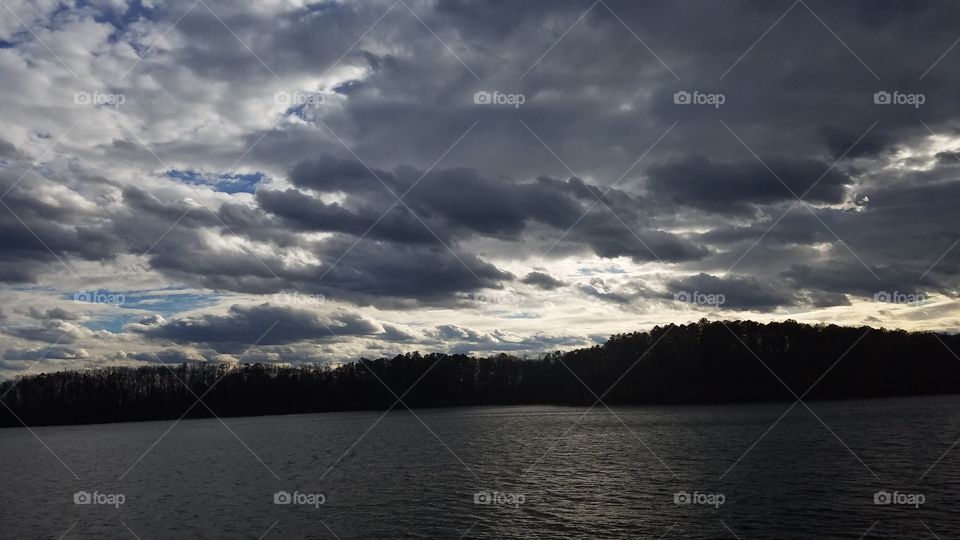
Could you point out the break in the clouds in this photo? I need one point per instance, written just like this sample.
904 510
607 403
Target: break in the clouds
296 181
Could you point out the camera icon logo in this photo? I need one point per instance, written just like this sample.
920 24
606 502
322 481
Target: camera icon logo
82 98
282 497
482 497
881 98
882 497
682 497
681 98
82 497
481 97
682 296
882 296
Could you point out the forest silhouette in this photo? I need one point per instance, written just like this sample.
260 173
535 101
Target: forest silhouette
704 362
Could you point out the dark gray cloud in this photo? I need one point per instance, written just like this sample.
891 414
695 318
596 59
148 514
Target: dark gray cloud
45 353
41 228
598 288
265 324
455 202
8 150
846 143
741 185
52 313
571 94
49 331
739 292
543 280
398 259
309 213
428 273
385 251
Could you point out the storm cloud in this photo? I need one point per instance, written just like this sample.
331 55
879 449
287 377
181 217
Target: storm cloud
351 190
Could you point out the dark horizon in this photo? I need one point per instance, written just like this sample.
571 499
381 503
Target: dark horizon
700 363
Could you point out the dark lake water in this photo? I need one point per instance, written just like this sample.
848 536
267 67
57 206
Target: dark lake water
499 472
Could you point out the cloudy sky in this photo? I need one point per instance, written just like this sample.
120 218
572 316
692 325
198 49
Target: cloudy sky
297 181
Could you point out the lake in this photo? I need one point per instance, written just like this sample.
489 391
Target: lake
851 469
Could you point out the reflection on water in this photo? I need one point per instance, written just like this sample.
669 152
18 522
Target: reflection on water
500 472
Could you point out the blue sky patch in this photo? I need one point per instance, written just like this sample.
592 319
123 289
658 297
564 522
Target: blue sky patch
170 303
112 323
225 183
167 305
119 19
586 271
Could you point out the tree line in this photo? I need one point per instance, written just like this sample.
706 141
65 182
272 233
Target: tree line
704 362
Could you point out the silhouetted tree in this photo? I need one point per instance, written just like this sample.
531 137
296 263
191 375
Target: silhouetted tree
704 362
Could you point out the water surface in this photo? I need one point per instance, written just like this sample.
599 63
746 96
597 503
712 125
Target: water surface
561 472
